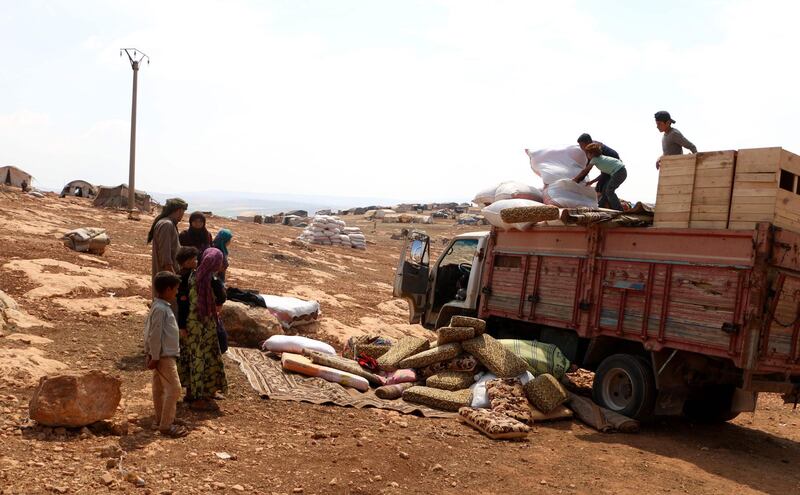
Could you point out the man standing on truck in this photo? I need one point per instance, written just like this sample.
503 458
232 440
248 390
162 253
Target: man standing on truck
585 140
611 166
673 142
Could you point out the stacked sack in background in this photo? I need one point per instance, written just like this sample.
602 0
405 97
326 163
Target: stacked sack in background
507 190
557 168
327 230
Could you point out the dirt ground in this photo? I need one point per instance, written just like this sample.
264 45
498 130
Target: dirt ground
95 306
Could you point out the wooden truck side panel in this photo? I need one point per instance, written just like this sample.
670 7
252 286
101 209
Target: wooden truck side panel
686 289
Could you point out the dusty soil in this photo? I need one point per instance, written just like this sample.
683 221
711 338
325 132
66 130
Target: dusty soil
95 309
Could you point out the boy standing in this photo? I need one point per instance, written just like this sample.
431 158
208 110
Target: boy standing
161 347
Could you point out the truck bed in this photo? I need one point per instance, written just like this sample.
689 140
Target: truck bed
732 294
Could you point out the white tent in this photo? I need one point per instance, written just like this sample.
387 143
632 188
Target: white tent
12 176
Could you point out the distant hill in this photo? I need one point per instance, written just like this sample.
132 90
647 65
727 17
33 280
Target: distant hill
231 204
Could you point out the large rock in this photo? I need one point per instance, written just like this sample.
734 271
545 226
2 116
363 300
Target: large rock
248 326
75 399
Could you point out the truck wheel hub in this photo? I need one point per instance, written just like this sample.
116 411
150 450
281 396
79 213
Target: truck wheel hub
617 389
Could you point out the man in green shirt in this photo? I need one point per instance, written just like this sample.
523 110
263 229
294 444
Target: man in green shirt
607 165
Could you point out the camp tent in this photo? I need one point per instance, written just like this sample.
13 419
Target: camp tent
79 188
117 197
12 176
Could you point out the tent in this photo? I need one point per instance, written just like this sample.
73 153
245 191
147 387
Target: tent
117 197
12 176
79 188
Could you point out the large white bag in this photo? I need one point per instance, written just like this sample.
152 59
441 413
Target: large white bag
296 344
492 213
556 164
485 197
517 190
566 193
290 310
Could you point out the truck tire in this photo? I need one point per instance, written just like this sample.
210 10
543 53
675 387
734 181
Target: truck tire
624 383
712 404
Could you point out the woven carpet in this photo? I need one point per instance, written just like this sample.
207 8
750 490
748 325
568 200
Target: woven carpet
268 378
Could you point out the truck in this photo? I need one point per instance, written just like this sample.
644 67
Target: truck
671 320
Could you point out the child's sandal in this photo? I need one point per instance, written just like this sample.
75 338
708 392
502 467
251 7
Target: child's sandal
175 431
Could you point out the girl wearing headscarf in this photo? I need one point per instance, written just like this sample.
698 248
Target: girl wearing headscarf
197 235
221 242
201 370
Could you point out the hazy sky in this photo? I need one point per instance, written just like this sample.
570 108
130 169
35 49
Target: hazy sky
400 99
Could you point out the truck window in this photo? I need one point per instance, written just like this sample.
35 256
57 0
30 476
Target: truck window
462 251
452 276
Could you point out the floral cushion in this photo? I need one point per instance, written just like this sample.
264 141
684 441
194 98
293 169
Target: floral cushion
407 346
451 380
438 399
493 424
545 392
464 362
507 396
466 321
434 355
445 335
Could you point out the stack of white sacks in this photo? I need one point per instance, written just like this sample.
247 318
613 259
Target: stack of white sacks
327 230
558 168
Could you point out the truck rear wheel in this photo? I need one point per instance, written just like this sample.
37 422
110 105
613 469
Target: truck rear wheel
624 383
712 404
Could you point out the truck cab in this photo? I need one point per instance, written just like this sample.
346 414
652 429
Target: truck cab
451 286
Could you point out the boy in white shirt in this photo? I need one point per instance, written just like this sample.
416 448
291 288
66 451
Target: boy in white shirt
161 348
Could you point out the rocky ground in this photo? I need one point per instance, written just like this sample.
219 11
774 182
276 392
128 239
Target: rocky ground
86 312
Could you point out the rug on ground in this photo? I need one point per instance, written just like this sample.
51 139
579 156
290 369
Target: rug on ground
267 378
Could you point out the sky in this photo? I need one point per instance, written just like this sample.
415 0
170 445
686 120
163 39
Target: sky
411 100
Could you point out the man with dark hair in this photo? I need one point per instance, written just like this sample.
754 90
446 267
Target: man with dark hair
164 236
585 140
673 142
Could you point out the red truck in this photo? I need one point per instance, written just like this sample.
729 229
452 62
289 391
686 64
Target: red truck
672 321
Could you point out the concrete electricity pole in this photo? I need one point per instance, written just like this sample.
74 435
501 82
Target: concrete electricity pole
134 56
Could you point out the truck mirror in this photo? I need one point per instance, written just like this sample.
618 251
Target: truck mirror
417 250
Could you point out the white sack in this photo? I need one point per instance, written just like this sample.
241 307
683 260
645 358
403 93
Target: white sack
517 190
492 213
556 164
566 193
485 197
296 344
290 306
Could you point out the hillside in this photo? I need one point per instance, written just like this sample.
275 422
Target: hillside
86 312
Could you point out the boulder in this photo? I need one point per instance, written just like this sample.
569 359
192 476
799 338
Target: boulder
75 399
248 326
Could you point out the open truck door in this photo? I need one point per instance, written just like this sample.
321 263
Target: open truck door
412 277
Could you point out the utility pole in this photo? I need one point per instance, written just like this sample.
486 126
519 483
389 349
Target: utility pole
134 56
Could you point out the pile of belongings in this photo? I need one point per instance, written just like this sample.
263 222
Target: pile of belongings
87 240
328 230
499 387
290 311
507 190
557 168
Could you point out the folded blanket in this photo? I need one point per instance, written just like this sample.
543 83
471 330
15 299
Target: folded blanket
600 418
392 392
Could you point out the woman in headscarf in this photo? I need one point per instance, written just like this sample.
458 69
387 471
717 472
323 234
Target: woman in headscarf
197 235
201 370
164 236
221 242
